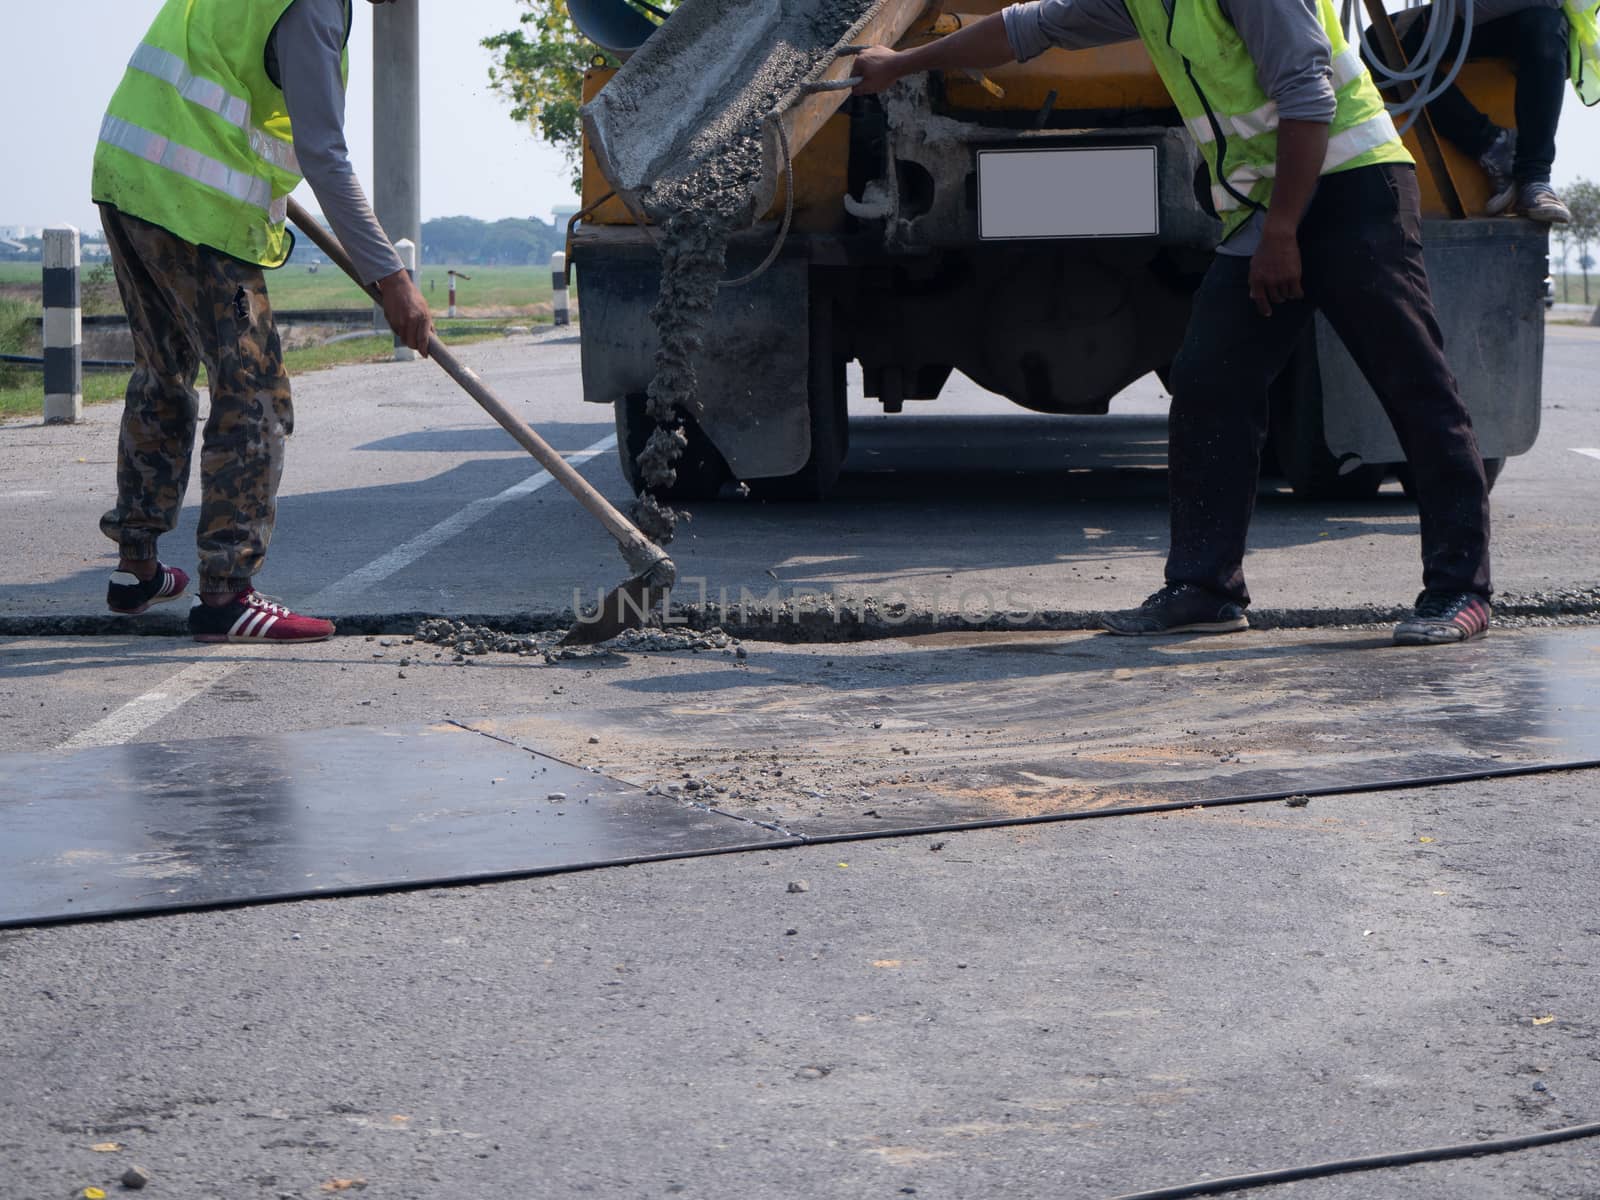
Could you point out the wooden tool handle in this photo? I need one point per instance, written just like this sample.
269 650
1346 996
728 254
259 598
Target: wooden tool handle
639 550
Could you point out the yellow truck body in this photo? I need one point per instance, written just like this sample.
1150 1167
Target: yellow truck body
885 265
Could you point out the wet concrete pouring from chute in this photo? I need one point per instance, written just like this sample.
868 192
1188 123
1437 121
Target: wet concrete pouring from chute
696 210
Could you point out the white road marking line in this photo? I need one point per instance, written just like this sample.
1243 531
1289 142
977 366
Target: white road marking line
138 714
1589 450
404 555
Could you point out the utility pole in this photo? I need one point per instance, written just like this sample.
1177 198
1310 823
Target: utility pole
397 123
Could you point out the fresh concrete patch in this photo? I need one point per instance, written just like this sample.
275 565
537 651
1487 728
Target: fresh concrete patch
982 726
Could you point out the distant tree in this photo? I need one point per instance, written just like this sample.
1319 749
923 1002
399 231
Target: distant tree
539 67
1583 198
97 290
1558 262
464 241
457 240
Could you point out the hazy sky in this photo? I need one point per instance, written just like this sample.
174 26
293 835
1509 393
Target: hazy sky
65 57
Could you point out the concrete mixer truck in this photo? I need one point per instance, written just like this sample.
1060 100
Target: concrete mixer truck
904 248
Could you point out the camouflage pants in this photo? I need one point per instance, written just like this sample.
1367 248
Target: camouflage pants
186 305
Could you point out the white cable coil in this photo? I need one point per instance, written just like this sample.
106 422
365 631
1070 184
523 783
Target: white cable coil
1424 69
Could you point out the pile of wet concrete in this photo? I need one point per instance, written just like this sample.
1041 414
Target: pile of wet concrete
468 641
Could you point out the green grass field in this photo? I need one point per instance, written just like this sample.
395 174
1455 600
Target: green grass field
514 293
502 291
1569 289
22 394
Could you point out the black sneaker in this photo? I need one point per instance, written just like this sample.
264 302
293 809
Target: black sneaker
1496 162
1539 202
129 595
1442 617
1177 608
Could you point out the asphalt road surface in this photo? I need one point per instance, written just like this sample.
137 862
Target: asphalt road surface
401 496
1056 1011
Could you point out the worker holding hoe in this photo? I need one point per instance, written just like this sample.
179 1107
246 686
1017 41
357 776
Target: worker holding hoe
1319 209
222 108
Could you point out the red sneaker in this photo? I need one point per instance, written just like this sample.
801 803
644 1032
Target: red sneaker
129 595
252 617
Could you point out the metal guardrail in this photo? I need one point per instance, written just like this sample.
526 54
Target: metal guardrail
288 316
89 364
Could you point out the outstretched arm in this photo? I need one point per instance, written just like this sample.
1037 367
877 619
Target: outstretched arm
1014 34
308 42
978 46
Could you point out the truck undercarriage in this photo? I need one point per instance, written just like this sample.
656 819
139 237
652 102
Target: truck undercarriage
887 264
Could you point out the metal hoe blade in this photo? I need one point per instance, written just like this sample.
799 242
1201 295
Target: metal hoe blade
627 606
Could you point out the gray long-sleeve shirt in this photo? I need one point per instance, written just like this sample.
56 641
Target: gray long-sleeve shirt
1285 39
305 48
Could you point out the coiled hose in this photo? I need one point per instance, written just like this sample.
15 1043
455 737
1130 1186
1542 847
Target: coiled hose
1424 69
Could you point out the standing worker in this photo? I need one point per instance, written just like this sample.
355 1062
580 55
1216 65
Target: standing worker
1534 35
1318 201
223 106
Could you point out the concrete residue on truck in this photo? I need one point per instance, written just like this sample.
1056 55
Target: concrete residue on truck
707 194
902 260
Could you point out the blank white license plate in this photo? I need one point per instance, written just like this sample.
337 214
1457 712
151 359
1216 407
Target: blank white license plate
1105 192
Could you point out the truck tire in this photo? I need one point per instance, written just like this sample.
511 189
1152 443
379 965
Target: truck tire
1296 442
827 401
702 471
830 440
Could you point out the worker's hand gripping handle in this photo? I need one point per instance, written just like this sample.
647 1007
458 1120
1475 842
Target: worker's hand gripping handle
642 554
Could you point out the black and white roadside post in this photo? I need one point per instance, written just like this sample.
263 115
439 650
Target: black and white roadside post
558 286
63 328
407 249
454 275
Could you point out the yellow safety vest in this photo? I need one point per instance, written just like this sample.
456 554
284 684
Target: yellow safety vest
1583 48
196 138
1212 79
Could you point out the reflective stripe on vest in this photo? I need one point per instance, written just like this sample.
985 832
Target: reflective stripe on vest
1583 48
1348 144
1214 84
163 64
191 164
235 110
1346 66
197 138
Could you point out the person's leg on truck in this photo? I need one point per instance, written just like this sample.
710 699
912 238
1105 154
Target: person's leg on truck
1532 34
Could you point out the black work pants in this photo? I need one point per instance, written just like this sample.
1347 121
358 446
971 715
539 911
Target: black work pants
1361 258
1535 40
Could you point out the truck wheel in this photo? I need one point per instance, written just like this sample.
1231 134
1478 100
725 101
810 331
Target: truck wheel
702 471
1408 481
1296 442
830 442
827 399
